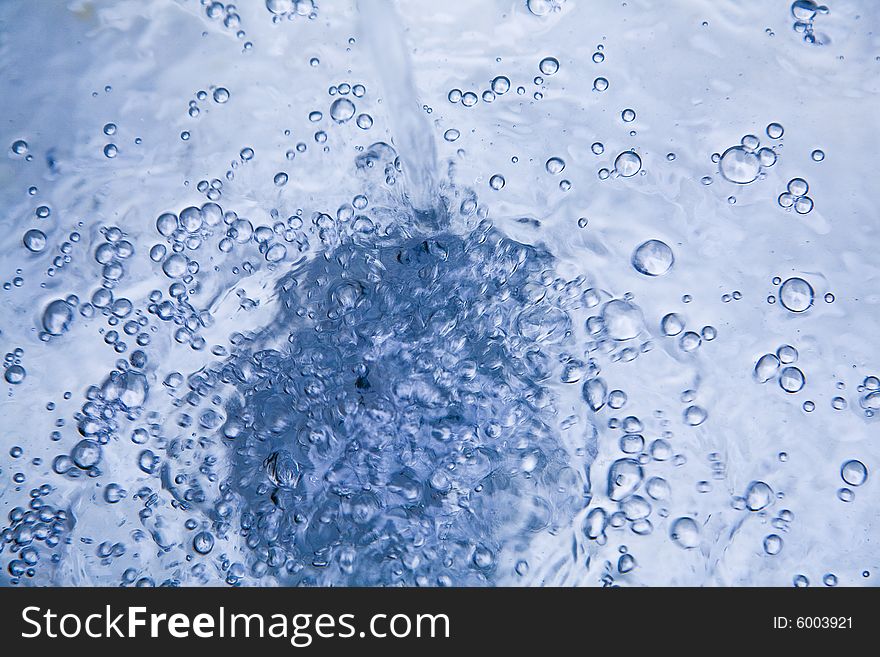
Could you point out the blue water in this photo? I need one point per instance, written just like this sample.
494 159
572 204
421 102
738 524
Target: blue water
373 293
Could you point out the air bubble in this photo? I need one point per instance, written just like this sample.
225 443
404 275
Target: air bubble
758 496
549 65
623 320
57 317
791 379
624 478
796 295
342 110
803 205
555 165
540 7
175 265
690 341
652 258
854 473
767 157
750 143
500 85
775 130
773 544
695 415
804 10
203 542
34 240
628 164
685 533
739 165
86 454
672 324
798 187
787 354
221 95
14 374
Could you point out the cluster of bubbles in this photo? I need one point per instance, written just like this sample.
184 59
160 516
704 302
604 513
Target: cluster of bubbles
633 497
627 163
466 98
343 109
65 251
111 255
33 533
796 197
804 13
292 456
186 232
13 371
795 294
35 239
743 163
780 367
673 324
220 96
693 414
119 398
773 542
228 16
291 9
500 85
854 473
398 421
415 435
615 328
110 150
870 399
212 189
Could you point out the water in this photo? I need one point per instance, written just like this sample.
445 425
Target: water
363 294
